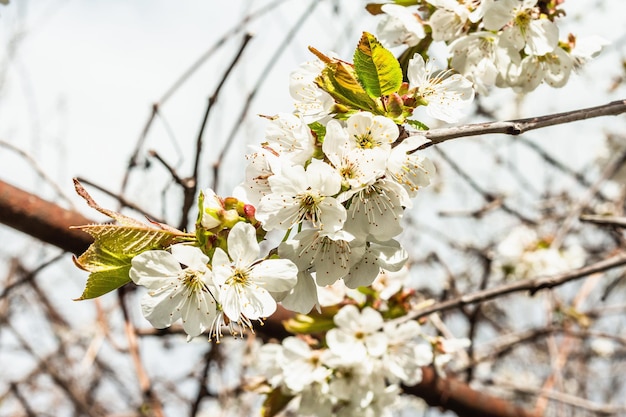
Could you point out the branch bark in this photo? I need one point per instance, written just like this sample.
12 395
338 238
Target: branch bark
50 223
519 126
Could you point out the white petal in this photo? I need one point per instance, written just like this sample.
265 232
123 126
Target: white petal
376 344
242 245
161 309
303 297
191 256
154 268
333 214
347 316
198 313
321 176
275 274
258 304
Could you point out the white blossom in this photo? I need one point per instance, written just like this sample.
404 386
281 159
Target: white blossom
311 102
300 195
329 254
176 292
302 365
446 95
389 255
376 210
409 167
245 281
400 25
291 137
523 28
357 334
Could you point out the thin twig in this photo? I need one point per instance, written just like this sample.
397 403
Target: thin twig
189 192
279 50
519 126
124 202
531 285
184 77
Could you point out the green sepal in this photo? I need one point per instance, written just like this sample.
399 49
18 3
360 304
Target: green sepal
275 402
319 131
417 124
303 324
376 68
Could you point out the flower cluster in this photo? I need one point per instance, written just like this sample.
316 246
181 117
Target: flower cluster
524 254
504 43
358 369
232 288
336 179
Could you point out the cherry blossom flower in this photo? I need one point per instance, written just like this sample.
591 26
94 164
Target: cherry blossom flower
176 292
290 136
523 28
311 102
369 132
263 164
329 254
446 95
475 57
357 334
299 195
245 281
389 255
400 26
302 365
357 167
410 168
405 357
376 210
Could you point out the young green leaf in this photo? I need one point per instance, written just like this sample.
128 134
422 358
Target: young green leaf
340 81
376 67
108 258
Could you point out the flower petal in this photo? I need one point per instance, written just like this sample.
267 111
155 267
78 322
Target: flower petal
275 274
242 245
154 269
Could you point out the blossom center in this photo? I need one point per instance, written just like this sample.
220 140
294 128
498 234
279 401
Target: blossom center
366 141
239 277
309 207
192 279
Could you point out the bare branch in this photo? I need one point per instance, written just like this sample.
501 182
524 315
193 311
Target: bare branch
531 285
519 126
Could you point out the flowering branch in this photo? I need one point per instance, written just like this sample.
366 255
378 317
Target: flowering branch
449 393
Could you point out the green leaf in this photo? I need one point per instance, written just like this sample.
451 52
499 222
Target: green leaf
108 258
377 69
340 81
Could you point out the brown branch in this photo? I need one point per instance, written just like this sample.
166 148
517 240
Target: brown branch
519 126
452 394
42 220
449 393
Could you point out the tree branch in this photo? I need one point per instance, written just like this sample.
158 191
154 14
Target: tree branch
519 126
532 285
